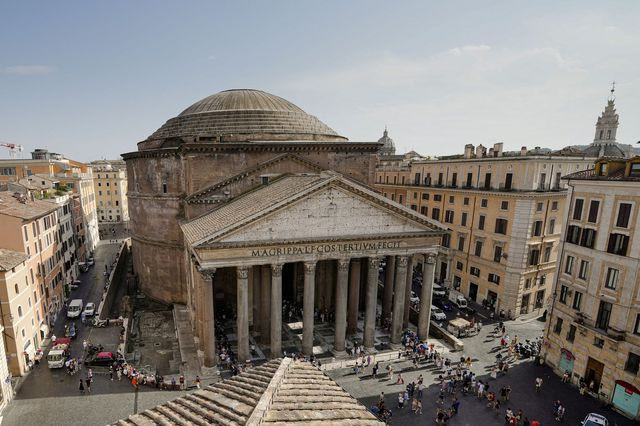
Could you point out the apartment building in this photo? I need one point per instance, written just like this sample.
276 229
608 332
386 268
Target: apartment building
67 246
53 174
31 227
593 332
504 210
110 187
6 388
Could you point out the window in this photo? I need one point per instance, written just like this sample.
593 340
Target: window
527 283
478 250
454 180
481 222
437 197
604 315
618 244
534 257
577 209
636 327
414 207
501 226
584 267
504 205
624 212
564 293
554 206
493 278
487 181
497 254
539 207
415 195
457 282
568 265
611 281
558 327
99 192
164 187
598 342
552 226
536 230
588 238
423 210
393 197
469 179
465 201
17 289
452 199
508 181
633 363
19 311
435 213
571 335
400 198
546 257
484 202
448 216
593 211
402 177
117 203
577 300
573 234
461 243
425 195
474 271
446 240
463 220
459 266
542 280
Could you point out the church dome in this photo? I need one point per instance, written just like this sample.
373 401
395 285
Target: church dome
388 147
243 115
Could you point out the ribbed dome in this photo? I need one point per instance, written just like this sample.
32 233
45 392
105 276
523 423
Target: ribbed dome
244 115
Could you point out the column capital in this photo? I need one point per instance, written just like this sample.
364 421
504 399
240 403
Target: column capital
430 258
401 261
343 264
374 262
309 267
276 269
243 272
206 273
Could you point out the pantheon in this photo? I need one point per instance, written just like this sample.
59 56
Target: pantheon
244 201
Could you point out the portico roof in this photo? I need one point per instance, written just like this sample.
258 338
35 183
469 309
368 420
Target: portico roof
266 201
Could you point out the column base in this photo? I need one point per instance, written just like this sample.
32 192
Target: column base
371 350
339 354
396 346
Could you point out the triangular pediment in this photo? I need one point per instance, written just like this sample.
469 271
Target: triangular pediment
250 177
309 207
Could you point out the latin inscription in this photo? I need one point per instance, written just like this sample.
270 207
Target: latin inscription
325 248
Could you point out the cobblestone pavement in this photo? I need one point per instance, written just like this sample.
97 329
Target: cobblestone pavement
482 349
51 397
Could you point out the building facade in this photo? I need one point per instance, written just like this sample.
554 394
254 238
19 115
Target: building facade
504 211
6 387
110 187
593 332
246 202
31 227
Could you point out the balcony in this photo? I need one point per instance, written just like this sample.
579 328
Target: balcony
543 187
504 188
615 334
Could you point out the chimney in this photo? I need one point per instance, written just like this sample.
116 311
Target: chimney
480 151
468 151
497 149
523 150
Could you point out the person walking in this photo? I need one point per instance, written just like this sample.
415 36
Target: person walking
400 379
538 384
390 372
508 392
419 410
181 382
81 387
198 382
374 371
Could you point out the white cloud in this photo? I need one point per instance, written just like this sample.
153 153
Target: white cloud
28 69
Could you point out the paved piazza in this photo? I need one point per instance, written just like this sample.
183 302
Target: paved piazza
483 349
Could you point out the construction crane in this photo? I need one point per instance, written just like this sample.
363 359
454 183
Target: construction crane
13 148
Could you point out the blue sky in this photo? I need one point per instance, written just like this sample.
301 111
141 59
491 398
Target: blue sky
91 79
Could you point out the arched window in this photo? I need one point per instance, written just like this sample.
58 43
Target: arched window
16 287
20 311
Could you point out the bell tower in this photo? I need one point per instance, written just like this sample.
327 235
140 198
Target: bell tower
607 124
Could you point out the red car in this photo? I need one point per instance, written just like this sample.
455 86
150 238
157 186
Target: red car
100 359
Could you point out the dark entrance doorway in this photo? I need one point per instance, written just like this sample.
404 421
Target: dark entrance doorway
524 305
473 291
443 271
492 299
288 282
594 374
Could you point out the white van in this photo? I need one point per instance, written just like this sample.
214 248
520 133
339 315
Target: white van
438 291
75 308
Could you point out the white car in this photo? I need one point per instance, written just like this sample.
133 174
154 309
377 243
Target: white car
437 314
89 310
414 299
594 419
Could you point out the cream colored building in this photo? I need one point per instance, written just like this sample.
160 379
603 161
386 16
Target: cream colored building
110 187
6 387
594 328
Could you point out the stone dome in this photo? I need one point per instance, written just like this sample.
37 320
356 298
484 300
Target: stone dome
388 147
242 115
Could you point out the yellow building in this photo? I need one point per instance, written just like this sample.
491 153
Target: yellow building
110 187
504 210
593 332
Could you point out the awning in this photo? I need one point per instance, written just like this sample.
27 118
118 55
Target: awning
567 353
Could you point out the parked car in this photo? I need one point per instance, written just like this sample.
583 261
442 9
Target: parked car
594 419
443 304
438 291
89 310
90 261
100 359
414 299
437 314
467 310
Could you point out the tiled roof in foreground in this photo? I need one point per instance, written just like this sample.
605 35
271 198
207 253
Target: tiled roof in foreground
280 392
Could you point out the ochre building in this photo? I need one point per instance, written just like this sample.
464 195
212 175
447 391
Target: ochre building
244 201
